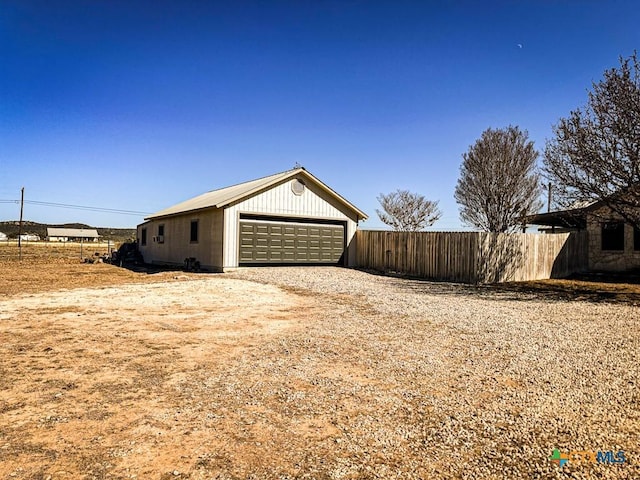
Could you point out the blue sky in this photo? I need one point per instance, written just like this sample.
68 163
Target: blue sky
140 105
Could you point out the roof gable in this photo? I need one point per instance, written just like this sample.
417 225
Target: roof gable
226 196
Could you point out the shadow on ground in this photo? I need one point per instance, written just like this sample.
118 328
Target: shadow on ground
155 269
593 287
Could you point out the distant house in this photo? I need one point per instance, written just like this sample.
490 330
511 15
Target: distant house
29 237
614 245
3 237
287 218
72 234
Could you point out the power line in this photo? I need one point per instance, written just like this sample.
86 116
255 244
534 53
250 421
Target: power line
78 207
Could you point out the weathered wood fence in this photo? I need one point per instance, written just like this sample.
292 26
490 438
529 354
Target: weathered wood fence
473 257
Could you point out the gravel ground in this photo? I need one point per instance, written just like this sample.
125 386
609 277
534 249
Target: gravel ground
319 373
432 380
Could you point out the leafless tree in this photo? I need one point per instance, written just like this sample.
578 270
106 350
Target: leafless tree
595 154
407 212
498 183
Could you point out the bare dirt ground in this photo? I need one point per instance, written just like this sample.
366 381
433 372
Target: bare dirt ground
307 373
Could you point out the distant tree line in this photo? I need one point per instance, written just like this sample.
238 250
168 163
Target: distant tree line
11 228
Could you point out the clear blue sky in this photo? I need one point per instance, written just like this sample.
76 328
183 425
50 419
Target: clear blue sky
136 105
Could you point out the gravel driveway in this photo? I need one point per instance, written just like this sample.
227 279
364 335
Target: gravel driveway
432 380
318 373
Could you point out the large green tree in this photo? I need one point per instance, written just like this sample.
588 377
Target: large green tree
498 183
595 153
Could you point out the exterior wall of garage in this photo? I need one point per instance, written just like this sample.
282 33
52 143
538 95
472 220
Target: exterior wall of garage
176 244
280 201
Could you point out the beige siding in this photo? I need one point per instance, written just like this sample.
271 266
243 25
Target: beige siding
177 245
281 201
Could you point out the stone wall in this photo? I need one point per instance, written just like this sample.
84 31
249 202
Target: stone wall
610 260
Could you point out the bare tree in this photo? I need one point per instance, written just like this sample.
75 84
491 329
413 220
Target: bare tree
595 155
407 212
498 183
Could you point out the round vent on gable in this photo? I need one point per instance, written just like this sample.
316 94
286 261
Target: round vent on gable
297 186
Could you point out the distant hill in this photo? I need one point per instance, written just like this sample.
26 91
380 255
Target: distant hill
10 228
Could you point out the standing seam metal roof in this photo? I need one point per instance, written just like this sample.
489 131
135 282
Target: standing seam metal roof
224 196
72 232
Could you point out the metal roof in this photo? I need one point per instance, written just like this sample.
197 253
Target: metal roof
573 217
225 196
72 232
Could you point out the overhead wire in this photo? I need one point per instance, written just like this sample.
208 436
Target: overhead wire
78 207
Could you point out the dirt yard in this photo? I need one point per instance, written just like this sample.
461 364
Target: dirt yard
320 373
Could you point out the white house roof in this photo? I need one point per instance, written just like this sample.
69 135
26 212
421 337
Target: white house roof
225 196
72 232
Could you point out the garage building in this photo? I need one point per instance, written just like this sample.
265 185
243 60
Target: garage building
283 219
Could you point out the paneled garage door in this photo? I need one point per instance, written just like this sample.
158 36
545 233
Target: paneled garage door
282 242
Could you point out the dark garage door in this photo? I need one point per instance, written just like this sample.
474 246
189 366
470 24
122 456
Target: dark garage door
281 242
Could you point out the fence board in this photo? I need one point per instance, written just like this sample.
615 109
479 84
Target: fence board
473 257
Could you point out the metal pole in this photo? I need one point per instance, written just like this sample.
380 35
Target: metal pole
81 240
20 226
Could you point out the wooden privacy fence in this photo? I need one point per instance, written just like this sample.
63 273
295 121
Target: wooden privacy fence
473 257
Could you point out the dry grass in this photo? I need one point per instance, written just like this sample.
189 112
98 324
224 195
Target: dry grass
55 266
34 276
44 251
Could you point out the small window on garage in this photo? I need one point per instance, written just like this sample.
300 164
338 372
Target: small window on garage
143 236
161 233
194 231
636 239
613 236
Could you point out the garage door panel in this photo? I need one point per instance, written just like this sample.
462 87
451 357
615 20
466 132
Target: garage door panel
326 256
314 256
271 242
261 255
246 256
246 228
276 255
246 241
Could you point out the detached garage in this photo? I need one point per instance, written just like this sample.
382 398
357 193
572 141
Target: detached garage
290 218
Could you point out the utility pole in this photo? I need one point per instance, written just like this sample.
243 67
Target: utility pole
20 226
553 227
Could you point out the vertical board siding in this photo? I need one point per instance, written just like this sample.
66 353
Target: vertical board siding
281 201
473 257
